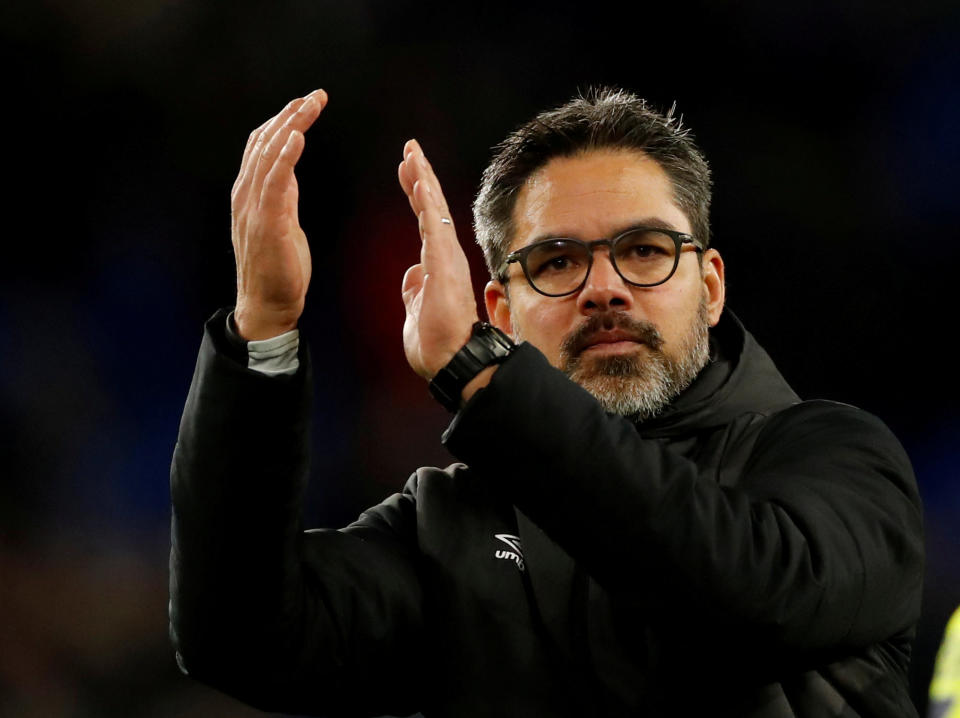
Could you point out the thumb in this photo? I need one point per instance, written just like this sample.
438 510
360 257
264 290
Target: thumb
412 283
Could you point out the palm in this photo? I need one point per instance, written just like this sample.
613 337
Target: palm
281 268
270 247
437 292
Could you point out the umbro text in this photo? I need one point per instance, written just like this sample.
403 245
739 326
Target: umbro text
515 553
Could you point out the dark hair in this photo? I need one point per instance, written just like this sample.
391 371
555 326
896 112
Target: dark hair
603 118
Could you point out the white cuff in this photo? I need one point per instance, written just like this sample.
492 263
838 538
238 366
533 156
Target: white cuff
277 355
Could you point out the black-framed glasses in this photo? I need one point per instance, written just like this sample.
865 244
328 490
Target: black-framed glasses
642 256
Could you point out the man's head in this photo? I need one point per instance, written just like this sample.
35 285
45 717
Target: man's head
593 169
605 118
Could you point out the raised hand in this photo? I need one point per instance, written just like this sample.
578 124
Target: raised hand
437 293
271 250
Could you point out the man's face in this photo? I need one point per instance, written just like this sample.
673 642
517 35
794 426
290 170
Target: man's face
632 347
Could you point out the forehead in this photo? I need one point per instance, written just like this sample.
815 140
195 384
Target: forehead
595 194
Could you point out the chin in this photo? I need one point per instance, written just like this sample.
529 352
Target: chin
593 366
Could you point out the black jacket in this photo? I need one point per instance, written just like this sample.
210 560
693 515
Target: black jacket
745 554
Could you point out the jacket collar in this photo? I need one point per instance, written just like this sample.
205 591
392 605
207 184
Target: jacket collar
740 378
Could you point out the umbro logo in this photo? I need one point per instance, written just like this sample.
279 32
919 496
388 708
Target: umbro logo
515 553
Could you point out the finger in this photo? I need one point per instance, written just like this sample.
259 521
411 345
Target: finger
271 126
242 182
245 176
409 147
440 247
419 168
433 212
412 174
275 198
409 177
434 184
440 250
300 121
406 184
281 116
412 283
409 172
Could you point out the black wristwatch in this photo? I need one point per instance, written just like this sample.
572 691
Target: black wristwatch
487 346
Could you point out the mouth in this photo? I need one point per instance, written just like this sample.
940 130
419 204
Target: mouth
611 334
608 343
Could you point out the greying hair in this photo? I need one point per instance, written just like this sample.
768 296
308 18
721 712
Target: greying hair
602 118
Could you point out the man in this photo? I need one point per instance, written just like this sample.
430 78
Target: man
673 532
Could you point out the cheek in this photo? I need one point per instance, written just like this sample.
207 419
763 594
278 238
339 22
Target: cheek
675 315
543 325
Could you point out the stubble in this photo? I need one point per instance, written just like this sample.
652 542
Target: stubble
641 383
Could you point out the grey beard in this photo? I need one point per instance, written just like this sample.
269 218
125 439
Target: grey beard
634 384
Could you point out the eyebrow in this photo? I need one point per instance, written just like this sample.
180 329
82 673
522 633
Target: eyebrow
649 222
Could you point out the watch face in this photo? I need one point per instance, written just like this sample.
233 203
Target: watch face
493 338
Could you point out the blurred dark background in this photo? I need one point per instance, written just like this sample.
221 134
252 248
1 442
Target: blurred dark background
832 129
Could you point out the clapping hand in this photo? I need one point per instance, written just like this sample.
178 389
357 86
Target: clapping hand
273 256
270 248
437 292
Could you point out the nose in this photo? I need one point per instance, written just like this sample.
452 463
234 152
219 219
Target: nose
605 289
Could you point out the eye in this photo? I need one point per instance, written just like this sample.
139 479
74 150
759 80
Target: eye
555 264
555 257
645 246
644 250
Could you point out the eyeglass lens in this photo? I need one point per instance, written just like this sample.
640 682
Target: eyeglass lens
643 257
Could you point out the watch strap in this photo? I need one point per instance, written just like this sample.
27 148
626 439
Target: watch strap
487 346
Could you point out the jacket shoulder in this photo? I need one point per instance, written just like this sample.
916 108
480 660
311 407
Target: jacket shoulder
807 420
818 435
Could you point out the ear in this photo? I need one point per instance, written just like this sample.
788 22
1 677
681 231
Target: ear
498 306
714 284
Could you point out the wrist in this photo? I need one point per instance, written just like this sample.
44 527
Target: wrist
477 383
472 366
256 325
442 358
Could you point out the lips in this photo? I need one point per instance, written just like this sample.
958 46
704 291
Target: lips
611 328
602 339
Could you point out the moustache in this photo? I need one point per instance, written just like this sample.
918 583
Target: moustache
637 330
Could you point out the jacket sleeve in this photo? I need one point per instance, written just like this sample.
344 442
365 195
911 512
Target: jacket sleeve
324 621
817 545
